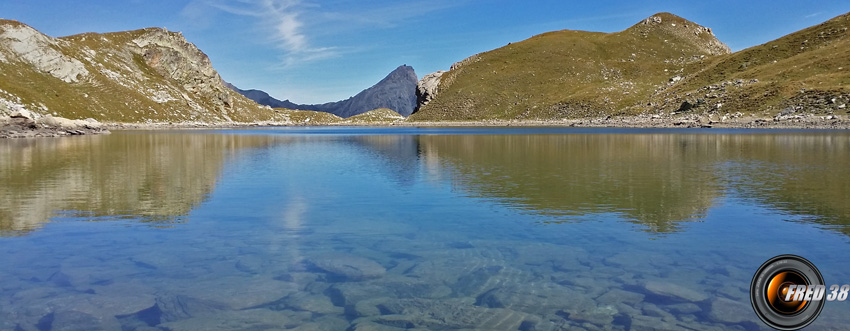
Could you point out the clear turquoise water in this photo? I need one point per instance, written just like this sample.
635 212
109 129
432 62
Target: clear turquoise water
380 228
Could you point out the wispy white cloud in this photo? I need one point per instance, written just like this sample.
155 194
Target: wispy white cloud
282 22
812 15
295 26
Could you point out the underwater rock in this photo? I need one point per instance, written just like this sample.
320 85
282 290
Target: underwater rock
368 307
730 311
251 319
640 322
535 298
350 267
178 307
674 291
598 315
323 323
616 295
319 304
70 320
684 308
236 292
654 311
368 325
250 264
476 282
450 314
347 294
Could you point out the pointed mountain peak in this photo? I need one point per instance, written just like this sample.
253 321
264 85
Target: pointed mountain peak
402 70
404 67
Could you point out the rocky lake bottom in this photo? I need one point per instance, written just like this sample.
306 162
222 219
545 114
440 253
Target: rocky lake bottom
430 229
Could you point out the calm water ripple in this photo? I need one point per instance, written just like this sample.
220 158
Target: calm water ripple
432 228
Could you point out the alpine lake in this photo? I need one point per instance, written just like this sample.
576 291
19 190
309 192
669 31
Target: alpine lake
360 228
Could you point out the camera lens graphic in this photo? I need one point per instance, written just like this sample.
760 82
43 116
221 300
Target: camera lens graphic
777 291
769 292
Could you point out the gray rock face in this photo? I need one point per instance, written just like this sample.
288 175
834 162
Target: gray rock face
176 58
31 46
426 88
397 91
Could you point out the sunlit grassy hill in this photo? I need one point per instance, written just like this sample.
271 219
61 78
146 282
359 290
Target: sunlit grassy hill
663 64
573 73
803 72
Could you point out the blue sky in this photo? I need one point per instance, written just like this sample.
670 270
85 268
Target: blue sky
320 51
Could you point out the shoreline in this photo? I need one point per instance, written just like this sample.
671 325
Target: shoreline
641 121
20 128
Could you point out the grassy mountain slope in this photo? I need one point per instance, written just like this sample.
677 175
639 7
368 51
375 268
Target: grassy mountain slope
134 76
573 73
806 71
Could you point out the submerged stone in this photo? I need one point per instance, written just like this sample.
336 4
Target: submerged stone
349 267
178 307
236 292
319 304
684 308
730 311
477 281
674 291
70 320
597 315
535 298
251 319
616 295
450 314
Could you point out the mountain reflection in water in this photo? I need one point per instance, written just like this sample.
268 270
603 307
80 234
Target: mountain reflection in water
156 177
659 181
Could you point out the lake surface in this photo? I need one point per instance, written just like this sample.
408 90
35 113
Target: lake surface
439 228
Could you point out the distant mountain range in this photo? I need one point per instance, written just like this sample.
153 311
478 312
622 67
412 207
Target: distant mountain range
661 65
397 91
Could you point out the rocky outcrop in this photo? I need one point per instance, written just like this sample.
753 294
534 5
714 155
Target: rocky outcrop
699 37
174 57
25 124
31 46
426 88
